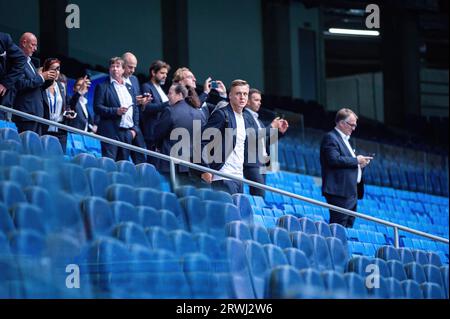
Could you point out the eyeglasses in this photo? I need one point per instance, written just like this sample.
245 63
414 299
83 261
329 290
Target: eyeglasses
351 125
55 69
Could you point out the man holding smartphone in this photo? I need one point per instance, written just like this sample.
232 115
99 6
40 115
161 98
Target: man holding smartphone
342 170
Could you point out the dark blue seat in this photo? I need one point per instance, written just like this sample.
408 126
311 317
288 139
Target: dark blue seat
432 291
414 271
6 223
107 164
51 146
31 162
70 222
120 178
412 289
119 192
394 288
97 216
4 247
218 215
275 255
358 265
98 181
198 270
214 249
85 160
218 196
334 283
382 267
303 242
45 180
445 279
259 233
26 243
11 194
183 242
124 212
238 229
195 213
131 234
381 291
338 231
240 275
434 259
11 145
161 200
433 274
73 180
128 168
308 226
146 216
149 217
185 191
8 158
420 257
245 208
7 133
337 253
62 249
397 270
258 266
322 253
159 238
406 255
388 253
296 258
289 222
18 175
148 176
31 143
280 237
28 217
323 229
314 285
356 287
284 282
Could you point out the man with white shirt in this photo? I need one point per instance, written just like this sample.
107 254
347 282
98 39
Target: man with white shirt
28 97
234 147
342 183
115 104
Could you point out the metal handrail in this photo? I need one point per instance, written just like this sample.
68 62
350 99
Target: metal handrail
172 160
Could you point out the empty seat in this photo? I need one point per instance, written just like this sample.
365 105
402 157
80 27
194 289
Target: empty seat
148 176
128 168
322 253
4 248
260 234
414 271
124 193
433 274
434 259
195 213
120 178
445 279
420 257
431 291
124 212
130 233
308 226
238 229
406 255
387 253
337 253
159 238
6 223
51 146
197 268
303 242
394 288
8 158
412 289
338 231
69 216
323 229
18 175
296 258
258 266
31 143
31 162
275 255
26 243
358 265
10 193
27 216
280 237
7 133
245 208
214 249
218 215
45 180
356 287
382 267
284 282
97 216
11 145
397 270
74 180
107 164
85 160
218 196
149 217
185 190
289 222
314 285
334 283
98 181
183 241
62 249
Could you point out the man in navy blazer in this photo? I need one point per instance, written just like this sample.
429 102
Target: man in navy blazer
151 111
342 183
28 97
234 143
115 103
12 63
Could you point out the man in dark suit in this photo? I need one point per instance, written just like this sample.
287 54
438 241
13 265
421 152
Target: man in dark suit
179 119
129 69
254 166
342 183
12 63
28 97
230 124
151 111
115 103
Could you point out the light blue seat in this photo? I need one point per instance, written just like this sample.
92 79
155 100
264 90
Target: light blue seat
98 181
296 258
431 291
337 253
85 160
159 238
31 143
280 237
198 271
275 255
302 241
195 213
258 266
289 222
356 287
284 282
28 217
119 192
240 275
259 233
414 271
397 270
97 216
130 234
123 212
238 230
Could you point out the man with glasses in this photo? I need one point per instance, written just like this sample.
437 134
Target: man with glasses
342 170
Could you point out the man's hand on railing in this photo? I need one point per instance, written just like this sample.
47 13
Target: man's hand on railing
207 177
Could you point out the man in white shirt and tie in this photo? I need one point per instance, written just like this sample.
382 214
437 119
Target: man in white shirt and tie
28 98
342 183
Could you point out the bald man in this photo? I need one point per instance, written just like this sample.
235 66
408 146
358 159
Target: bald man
28 97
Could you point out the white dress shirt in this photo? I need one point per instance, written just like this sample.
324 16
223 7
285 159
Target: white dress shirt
55 102
125 100
234 164
161 93
345 138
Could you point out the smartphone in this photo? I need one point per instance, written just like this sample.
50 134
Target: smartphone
372 154
214 85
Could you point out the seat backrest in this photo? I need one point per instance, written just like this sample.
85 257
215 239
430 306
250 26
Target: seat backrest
387 253
107 164
334 283
405 255
6 223
433 274
11 194
323 229
31 143
243 203
322 253
284 282
275 255
85 160
414 271
397 270
97 216
238 229
289 222
337 253
338 231
119 192
195 213
123 212
98 181
296 258
280 237
356 287
26 243
420 257
412 289
218 196
148 176
159 238
303 242
130 233
308 226
28 216
432 291
434 259
259 233
51 147
394 288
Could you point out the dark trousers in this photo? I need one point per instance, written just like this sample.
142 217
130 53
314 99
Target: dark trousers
229 186
138 141
253 174
344 202
23 126
151 147
118 153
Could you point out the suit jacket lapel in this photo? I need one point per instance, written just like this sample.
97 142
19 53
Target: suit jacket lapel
342 143
114 94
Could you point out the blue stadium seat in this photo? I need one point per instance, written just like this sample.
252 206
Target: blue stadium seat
414 271
238 230
284 282
8 158
130 234
394 288
62 249
97 180
185 191
30 163
159 238
11 145
85 160
51 146
28 217
356 287
445 279
70 222
308 226
6 223
107 164
296 258
74 180
97 217
323 229
289 222
382 267
243 203
275 255
195 213
358 265
149 217
31 143
280 237
218 215
218 196
431 291
11 194
334 283
128 168
337 253
183 242
406 255
197 268
258 266
338 231
260 234
26 243
148 176
433 274
4 248
209 246
302 241
381 291
18 175
239 272
420 257
322 253
7 133
314 284
118 192
45 180
388 253
123 212
397 270
434 259
120 178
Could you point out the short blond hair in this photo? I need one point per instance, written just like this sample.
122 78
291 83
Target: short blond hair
178 76
343 114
